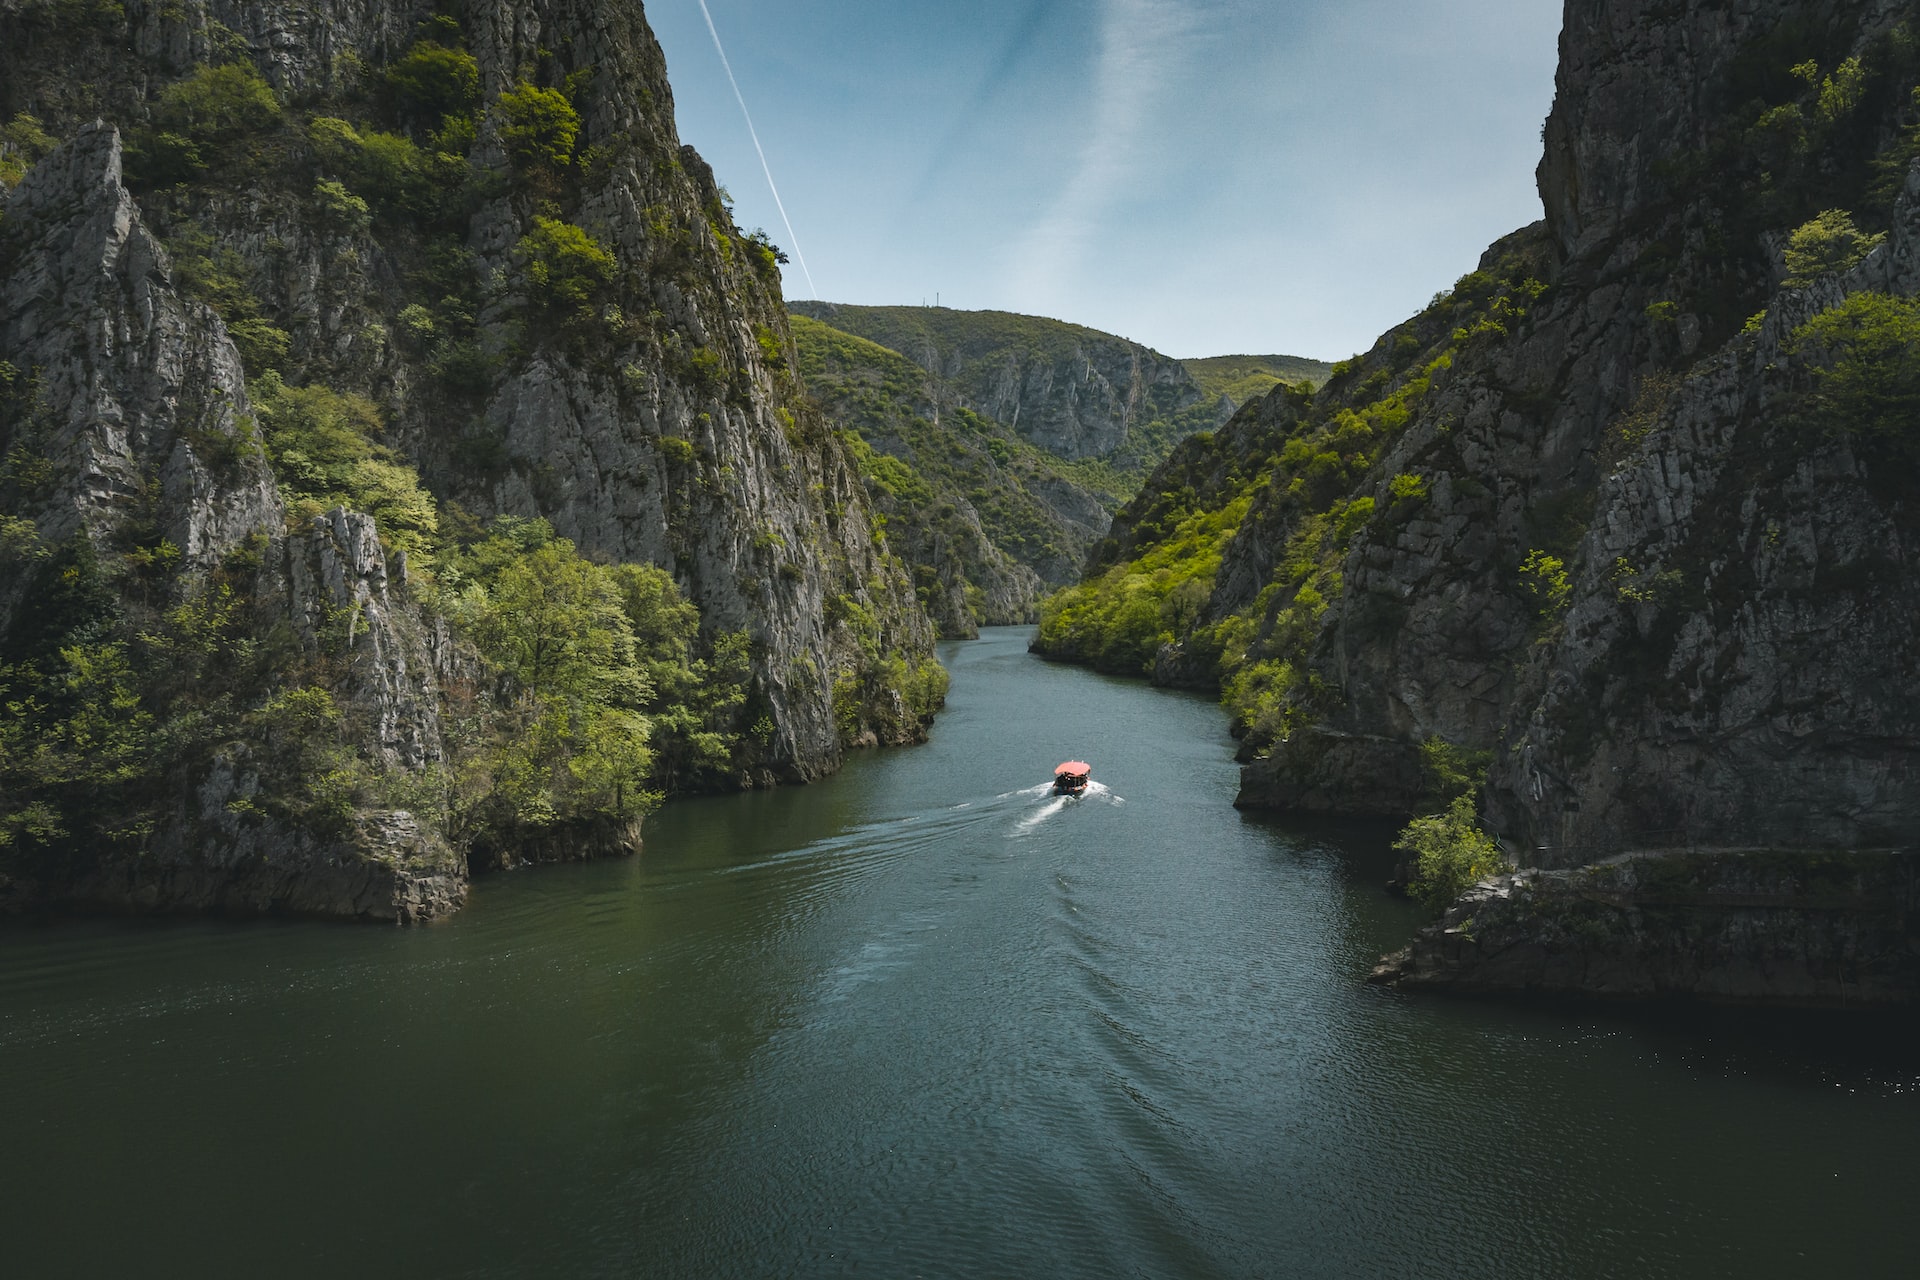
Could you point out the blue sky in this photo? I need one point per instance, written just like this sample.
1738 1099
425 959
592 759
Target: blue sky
1205 176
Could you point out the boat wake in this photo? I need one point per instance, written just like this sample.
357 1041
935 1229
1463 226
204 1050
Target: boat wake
1096 791
889 838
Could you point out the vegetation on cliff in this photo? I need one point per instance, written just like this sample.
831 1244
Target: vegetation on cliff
1244 378
481 296
1309 462
968 502
1621 515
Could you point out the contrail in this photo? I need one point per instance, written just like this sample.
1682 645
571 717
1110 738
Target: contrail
792 239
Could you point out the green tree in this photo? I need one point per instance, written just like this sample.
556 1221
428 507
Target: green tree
217 105
538 128
431 81
400 178
563 266
1827 242
571 742
73 732
1451 852
555 624
1865 360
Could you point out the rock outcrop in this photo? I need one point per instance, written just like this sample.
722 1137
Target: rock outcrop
1740 604
1752 926
120 383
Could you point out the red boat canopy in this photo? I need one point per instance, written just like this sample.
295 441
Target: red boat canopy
1074 767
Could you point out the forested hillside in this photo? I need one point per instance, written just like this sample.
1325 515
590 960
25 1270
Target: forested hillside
1244 378
985 520
1025 434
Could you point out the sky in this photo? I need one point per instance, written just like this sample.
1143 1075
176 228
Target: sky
1207 177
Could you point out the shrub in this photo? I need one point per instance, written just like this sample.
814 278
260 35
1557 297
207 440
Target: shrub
1543 578
22 143
563 267
1406 487
403 179
217 105
432 81
262 344
1827 242
538 128
1451 852
325 453
339 209
1865 355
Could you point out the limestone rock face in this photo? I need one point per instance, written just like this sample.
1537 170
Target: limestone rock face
675 433
336 592
138 397
1728 665
766 522
1073 391
662 424
139 403
1752 629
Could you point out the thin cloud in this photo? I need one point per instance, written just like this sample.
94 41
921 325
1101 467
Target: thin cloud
999 73
753 133
1141 52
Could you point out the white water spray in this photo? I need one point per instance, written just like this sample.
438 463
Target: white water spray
753 133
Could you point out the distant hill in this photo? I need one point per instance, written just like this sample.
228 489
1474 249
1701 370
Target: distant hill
985 520
1073 391
1244 378
998 445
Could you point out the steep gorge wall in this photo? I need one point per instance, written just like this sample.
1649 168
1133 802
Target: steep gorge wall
1630 425
139 414
1591 524
664 425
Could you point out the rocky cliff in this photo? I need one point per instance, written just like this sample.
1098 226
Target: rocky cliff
1073 391
1724 660
456 271
129 430
1627 517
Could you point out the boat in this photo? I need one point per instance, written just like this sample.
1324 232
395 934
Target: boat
1070 778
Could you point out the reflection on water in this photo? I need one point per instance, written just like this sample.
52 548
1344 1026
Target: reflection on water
925 1018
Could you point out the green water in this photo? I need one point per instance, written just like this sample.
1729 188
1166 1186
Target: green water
918 1021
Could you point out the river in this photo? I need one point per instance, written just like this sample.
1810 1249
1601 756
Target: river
922 1019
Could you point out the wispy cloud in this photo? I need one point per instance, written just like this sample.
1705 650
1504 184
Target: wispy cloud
753 133
1141 54
1000 72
